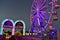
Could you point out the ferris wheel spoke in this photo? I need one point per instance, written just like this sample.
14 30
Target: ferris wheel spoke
46 26
43 7
42 4
33 8
34 5
50 3
43 18
50 18
32 11
42 14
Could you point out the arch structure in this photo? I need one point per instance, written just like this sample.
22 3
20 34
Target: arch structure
22 23
8 23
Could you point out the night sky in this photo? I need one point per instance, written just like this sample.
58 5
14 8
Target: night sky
19 9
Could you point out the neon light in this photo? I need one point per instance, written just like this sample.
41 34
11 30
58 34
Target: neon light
38 21
12 23
0 31
13 27
23 24
2 25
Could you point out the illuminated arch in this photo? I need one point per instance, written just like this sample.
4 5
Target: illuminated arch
23 25
10 21
0 30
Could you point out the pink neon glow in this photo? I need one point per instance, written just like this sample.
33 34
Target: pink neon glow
38 21
12 23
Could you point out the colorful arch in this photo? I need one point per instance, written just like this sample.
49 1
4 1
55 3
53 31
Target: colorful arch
0 30
11 22
23 25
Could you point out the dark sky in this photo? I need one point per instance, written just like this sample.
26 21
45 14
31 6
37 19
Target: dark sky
19 9
15 9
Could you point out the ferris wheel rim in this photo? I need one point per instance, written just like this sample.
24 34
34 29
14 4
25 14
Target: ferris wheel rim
48 18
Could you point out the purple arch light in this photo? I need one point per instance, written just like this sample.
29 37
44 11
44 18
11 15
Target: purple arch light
24 26
8 23
19 24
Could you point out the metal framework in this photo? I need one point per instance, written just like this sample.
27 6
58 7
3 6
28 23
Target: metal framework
43 12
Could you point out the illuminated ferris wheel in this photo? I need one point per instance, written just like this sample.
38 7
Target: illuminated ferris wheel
43 12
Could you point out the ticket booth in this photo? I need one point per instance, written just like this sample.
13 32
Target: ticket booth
19 27
8 26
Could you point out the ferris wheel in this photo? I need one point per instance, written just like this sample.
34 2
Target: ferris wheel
43 12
